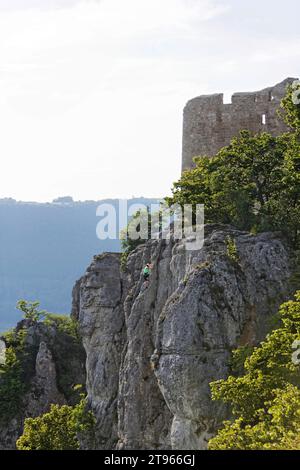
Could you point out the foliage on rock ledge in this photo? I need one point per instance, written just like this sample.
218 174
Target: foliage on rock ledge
58 429
12 384
139 223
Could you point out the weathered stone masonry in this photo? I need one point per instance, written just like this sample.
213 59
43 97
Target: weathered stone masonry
209 124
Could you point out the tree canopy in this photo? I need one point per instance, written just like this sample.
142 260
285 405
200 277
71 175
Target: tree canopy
58 429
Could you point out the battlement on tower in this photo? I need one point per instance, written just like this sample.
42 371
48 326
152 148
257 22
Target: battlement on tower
209 124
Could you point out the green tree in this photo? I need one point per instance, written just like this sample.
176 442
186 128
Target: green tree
284 206
12 383
247 184
265 401
139 225
291 107
62 323
12 386
31 310
56 430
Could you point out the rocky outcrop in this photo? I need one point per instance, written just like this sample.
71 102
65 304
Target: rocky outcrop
152 350
97 307
52 362
44 389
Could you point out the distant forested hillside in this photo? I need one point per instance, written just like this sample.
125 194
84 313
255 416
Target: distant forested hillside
44 248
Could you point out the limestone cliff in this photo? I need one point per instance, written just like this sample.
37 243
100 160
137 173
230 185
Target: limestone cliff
152 351
51 362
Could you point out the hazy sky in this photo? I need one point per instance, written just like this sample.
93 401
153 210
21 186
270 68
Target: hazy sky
92 92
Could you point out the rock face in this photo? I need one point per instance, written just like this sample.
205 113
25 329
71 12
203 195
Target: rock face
53 362
44 389
153 350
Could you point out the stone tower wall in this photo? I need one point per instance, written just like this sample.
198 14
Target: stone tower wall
209 124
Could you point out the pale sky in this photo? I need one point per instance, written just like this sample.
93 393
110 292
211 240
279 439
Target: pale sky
92 91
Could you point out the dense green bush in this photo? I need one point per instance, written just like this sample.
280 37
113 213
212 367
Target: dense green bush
58 429
63 323
140 221
12 384
291 110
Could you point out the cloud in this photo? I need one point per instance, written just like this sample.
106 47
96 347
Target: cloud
277 52
65 54
29 4
91 92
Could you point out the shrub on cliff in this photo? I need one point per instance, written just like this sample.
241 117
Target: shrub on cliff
58 429
254 184
265 401
63 324
12 384
30 310
13 371
132 235
291 107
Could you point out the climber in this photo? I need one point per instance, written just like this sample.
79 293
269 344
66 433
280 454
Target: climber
146 272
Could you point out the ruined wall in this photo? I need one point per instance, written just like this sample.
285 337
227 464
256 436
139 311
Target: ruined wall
209 124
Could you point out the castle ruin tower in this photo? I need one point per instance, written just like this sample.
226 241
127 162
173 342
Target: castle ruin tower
209 124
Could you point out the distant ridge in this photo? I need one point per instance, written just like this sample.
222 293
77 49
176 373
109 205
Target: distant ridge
44 248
